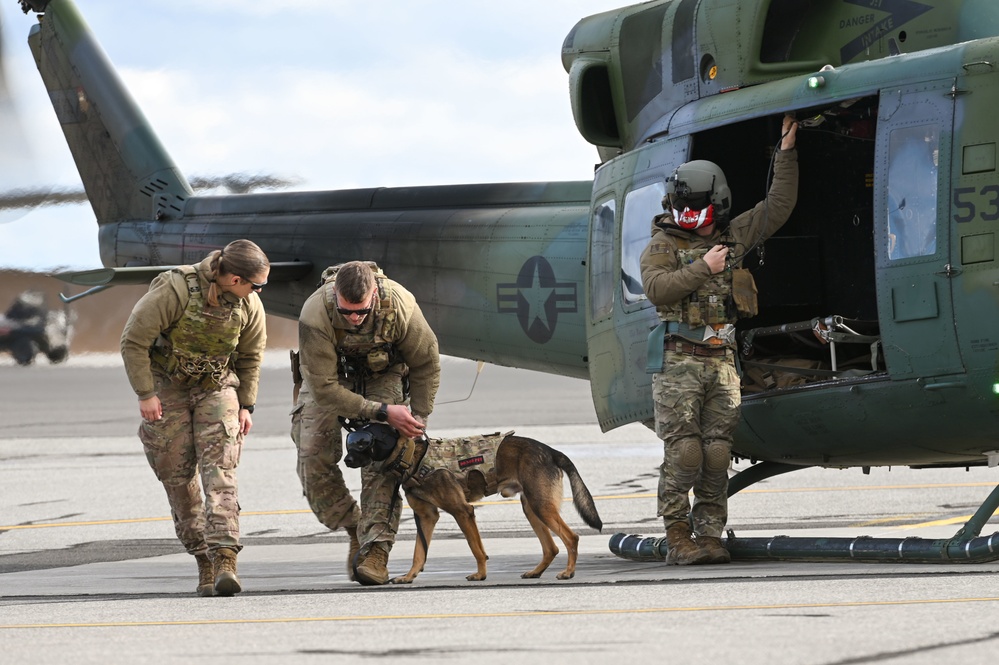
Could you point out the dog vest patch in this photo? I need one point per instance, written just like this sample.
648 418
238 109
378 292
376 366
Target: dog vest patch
471 461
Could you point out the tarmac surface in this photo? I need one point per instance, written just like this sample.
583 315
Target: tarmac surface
91 572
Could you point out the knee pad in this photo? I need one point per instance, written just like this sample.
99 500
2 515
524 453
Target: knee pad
688 454
717 457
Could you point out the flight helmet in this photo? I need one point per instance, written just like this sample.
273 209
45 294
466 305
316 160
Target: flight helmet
698 194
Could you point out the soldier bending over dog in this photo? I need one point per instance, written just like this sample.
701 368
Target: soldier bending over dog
365 352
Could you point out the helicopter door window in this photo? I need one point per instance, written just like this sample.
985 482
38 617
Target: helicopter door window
602 260
912 192
640 206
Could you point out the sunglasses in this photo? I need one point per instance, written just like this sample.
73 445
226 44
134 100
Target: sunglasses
359 312
364 311
256 287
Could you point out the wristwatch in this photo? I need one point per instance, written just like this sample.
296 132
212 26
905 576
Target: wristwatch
382 414
248 408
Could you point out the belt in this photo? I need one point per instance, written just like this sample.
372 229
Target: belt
696 349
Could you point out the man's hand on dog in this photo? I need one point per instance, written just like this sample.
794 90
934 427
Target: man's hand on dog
403 420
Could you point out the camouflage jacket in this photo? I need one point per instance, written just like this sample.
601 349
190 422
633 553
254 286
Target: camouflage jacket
320 331
668 281
161 308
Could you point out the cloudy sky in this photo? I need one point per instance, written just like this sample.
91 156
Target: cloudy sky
336 94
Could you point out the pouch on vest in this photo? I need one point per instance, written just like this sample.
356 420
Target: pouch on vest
656 349
694 318
744 292
378 360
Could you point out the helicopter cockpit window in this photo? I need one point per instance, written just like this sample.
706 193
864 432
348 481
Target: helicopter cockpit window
602 260
640 206
912 192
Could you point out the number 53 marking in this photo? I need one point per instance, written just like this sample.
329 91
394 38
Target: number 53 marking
966 207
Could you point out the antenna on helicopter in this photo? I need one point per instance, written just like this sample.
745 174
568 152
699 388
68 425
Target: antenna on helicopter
478 370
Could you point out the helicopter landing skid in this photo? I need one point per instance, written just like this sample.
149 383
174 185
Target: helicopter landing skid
967 546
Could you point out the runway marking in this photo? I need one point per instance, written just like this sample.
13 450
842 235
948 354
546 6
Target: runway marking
889 520
495 615
605 497
944 522
860 488
138 520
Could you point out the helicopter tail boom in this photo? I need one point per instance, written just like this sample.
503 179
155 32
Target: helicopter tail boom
126 171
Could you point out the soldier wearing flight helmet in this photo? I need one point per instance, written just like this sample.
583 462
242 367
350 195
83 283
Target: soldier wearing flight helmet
688 275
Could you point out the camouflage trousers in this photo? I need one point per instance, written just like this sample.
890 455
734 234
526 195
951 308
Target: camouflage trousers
199 431
316 433
381 503
697 403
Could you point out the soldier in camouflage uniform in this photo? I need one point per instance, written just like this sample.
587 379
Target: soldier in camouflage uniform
365 351
699 294
192 349
316 433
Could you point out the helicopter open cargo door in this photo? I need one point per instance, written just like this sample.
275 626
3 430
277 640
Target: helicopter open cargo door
912 231
619 317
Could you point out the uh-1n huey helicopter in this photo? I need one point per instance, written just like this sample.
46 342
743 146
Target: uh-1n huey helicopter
877 339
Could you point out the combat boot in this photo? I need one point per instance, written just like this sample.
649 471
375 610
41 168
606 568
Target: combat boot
355 546
226 581
714 549
374 568
683 551
206 575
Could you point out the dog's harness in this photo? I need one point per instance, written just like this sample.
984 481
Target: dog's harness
460 456
406 458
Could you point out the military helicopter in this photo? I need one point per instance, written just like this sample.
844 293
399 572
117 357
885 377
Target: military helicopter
875 344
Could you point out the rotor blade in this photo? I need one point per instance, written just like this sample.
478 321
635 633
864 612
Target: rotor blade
16 156
243 183
234 183
281 271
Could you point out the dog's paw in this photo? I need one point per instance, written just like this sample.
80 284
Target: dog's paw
531 575
475 577
401 580
565 575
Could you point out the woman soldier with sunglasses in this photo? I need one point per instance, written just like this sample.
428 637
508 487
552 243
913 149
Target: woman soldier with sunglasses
192 349
699 291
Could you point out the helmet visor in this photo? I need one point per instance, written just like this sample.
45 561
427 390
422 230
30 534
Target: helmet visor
684 198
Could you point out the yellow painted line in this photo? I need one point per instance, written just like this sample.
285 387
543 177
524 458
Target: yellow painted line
788 490
795 490
137 520
605 497
887 520
864 488
944 522
495 615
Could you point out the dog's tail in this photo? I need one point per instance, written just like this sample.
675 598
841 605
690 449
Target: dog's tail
581 497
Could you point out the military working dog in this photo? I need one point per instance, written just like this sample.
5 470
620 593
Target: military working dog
450 474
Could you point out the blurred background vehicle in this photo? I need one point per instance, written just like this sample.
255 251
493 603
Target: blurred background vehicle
28 328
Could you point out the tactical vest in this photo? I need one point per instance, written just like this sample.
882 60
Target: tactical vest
372 351
722 299
198 348
463 456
